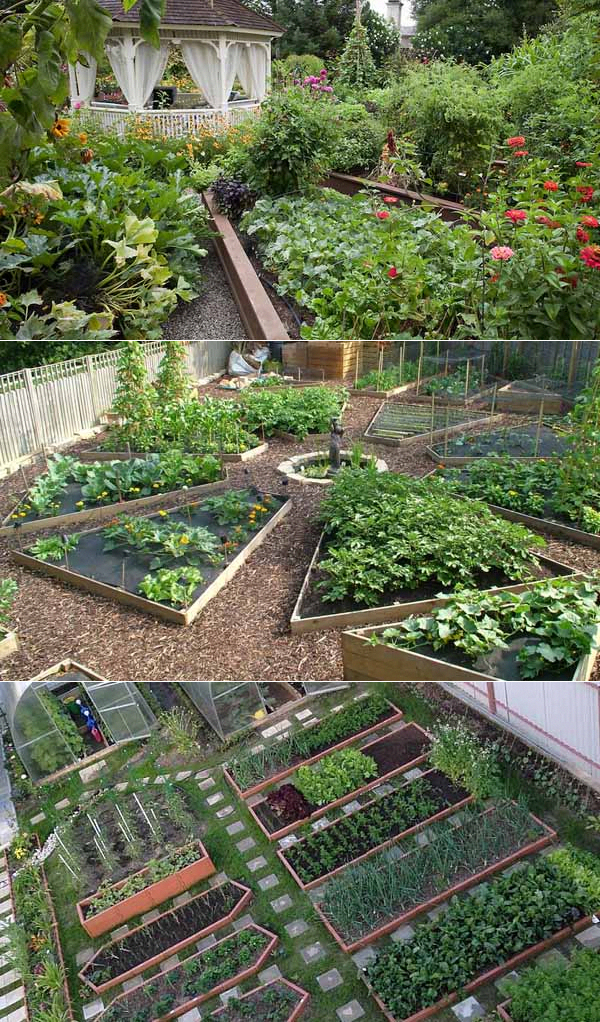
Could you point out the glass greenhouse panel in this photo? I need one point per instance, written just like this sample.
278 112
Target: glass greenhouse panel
38 741
123 710
227 706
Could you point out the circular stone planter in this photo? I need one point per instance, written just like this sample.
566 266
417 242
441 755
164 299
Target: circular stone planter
292 467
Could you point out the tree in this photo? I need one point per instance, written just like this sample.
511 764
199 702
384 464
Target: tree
475 32
27 354
173 382
356 68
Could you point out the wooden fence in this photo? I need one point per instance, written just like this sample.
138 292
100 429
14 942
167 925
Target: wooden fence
50 405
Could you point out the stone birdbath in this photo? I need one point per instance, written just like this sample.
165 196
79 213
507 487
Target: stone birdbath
320 468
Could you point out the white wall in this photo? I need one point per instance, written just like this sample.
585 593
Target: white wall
407 15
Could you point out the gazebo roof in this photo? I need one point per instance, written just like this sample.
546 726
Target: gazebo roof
209 13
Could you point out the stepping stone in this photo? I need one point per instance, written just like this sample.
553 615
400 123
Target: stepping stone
181 899
393 853
309 723
277 728
64 802
336 709
245 845
383 789
117 934
84 955
191 1016
169 963
256 864
206 942
209 782
131 984
212 800
438 910
122 786
364 958
149 917
268 975
421 838
296 928
551 957
317 894
37 819
202 775
90 773
502 984
350 1011
183 775
93 1009
402 933
235 828
455 820
257 748
469 1009
253 799
225 811
319 824
589 938
239 924
351 807
267 882
227 995
313 953
289 839
304 714
329 980
281 904
411 775
217 879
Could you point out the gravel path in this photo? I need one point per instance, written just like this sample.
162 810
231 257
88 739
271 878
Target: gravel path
243 633
212 316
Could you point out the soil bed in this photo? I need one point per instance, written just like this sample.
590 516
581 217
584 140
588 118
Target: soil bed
396 421
514 443
173 927
275 1002
501 663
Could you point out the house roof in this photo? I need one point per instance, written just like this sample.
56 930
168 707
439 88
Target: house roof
209 13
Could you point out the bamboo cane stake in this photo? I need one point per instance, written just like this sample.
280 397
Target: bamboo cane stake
419 375
401 367
539 427
432 417
493 408
467 379
380 369
446 431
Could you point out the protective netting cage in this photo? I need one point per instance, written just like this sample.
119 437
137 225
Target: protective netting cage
232 706
51 729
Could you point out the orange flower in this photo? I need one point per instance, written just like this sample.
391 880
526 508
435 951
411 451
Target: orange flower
82 137
60 128
3 299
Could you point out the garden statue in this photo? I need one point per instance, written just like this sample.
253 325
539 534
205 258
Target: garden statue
335 447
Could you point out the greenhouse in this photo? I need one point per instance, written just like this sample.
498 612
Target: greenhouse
58 722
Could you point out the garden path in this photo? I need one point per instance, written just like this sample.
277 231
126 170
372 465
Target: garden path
211 316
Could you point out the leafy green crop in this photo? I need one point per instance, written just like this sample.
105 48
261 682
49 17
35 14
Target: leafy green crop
172 585
335 775
53 548
558 991
299 411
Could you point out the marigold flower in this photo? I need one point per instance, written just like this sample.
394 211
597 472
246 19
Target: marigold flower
184 540
586 192
3 299
591 256
391 200
501 253
550 186
582 235
82 136
516 215
515 140
392 273
163 514
382 214
590 221
60 128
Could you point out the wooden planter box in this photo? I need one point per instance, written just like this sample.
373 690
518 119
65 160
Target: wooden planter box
138 602
220 988
296 1012
316 815
502 1010
395 716
363 662
545 525
154 960
436 434
110 510
383 395
92 456
95 924
389 612
529 402
350 185
449 461
487 977
431 903
9 644
441 815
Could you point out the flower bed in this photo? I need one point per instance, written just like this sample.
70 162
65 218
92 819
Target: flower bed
395 379
565 990
477 940
383 821
396 423
112 906
160 555
74 491
286 808
278 1001
201 976
393 542
171 932
371 900
251 772
522 444
507 635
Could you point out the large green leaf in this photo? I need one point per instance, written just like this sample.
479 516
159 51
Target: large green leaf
11 38
151 12
89 26
50 75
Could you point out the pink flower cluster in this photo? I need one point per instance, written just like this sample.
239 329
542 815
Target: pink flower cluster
317 83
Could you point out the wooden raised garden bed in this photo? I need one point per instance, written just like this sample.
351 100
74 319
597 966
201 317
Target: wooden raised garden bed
299 999
391 717
364 662
405 917
528 400
97 923
9 644
403 749
384 395
90 557
547 436
100 455
350 185
100 511
396 423
503 1012
487 977
168 926
304 620
171 980
461 798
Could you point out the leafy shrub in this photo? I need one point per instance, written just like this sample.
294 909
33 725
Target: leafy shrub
361 138
458 753
299 411
335 775
232 197
558 990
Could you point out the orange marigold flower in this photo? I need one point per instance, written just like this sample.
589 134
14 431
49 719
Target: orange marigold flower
3 299
60 128
82 136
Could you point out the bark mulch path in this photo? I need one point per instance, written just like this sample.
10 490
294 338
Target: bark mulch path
243 634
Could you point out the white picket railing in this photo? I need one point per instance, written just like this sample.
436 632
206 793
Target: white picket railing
169 122
50 405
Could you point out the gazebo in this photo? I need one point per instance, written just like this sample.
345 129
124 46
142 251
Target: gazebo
219 40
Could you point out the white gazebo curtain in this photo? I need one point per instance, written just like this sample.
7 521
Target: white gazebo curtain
213 67
138 67
82 81
252 70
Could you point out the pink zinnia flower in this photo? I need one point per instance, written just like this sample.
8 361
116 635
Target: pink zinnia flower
501 253
516 215
392 273
590 221
382 214
515 140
